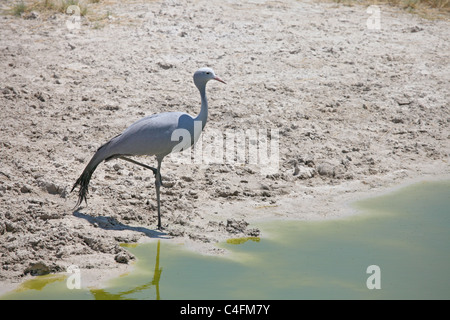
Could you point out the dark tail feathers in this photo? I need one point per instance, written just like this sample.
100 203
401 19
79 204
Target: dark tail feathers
83 182
103 154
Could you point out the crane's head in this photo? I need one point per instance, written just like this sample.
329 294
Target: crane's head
203 75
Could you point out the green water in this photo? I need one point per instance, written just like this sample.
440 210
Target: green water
405 233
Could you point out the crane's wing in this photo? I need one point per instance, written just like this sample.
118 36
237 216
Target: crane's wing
152 135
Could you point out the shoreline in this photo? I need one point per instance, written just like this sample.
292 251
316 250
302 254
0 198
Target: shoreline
99 279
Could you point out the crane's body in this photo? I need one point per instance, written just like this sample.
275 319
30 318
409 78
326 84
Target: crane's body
153 135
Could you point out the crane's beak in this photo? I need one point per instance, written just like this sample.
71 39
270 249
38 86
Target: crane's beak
218 79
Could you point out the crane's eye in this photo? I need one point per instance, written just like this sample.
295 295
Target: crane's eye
208 72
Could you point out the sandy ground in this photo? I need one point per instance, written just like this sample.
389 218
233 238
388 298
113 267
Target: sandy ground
357 110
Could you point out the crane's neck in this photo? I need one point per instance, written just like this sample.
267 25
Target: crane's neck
203 115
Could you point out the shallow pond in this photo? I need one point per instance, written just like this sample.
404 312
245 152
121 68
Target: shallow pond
399 248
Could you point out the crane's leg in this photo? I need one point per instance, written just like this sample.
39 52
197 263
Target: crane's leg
139 164
158 185
154 170
158 182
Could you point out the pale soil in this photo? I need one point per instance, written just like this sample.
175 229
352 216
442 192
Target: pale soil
357 111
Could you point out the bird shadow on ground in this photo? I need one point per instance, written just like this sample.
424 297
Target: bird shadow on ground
110 223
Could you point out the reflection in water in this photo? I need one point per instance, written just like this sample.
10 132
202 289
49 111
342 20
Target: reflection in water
104 294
